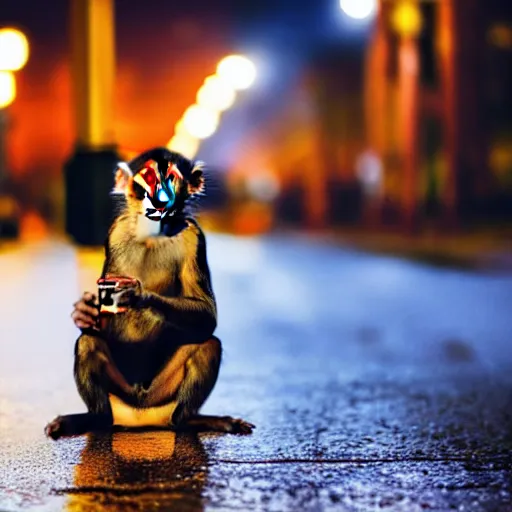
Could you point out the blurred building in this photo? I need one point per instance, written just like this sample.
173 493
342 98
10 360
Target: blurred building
428 102
312 142
463 112
158 71
437 133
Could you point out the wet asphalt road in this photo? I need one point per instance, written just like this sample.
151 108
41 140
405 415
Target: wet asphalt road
375 384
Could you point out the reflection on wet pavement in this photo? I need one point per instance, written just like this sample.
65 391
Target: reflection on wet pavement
374 383
134 469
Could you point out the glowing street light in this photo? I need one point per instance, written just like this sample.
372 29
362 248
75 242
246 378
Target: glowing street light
200 122
237 70
359 9
7 88
216 94
14 49
179 127
13 56
185 144
406 18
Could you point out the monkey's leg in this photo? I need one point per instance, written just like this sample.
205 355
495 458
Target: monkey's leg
189 378
96 375
77 424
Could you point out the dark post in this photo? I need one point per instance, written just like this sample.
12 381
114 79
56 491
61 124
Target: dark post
9 209
89 173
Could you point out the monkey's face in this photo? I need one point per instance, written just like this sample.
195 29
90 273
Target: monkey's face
162 189
157 190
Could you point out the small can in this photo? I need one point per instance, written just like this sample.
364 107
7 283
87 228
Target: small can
110 293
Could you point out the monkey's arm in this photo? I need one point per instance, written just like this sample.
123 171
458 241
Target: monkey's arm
194 316
195 311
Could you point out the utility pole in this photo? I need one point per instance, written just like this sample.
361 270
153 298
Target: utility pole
89 173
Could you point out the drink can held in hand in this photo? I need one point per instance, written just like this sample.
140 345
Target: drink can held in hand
111 290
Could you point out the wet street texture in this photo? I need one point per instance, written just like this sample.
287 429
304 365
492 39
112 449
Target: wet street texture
375 384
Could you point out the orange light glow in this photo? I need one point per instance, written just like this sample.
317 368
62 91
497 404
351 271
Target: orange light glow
406 18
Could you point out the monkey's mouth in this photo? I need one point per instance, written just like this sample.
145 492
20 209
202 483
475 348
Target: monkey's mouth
157 215
153 214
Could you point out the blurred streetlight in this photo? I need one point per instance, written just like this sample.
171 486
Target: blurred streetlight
237 70
200 122
359 9
7 88
185 144
406 19
14 49
216 94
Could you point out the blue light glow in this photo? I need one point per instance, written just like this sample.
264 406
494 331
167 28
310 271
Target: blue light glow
162 196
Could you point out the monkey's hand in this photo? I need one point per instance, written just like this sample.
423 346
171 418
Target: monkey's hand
132 297
85 314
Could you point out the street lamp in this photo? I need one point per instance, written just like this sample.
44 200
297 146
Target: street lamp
406 19
200 122
359 9
238 71
14 52
14 49
217 94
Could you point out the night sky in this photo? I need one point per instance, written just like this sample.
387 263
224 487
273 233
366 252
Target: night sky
153 38
177 42
251 23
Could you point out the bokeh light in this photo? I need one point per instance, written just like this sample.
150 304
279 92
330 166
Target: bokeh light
263 186
238 71
14 49
180 127
359 9
200 122
216 94
7 88
407 18
185 144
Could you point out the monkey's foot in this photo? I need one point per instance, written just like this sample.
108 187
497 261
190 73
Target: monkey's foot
237 426
220 424
55 428
77 424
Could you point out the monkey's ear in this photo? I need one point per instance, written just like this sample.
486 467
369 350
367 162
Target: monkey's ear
196 181
122 178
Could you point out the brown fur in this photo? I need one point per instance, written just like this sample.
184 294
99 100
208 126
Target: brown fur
158 362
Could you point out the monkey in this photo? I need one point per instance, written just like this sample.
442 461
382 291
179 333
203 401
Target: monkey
154 364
